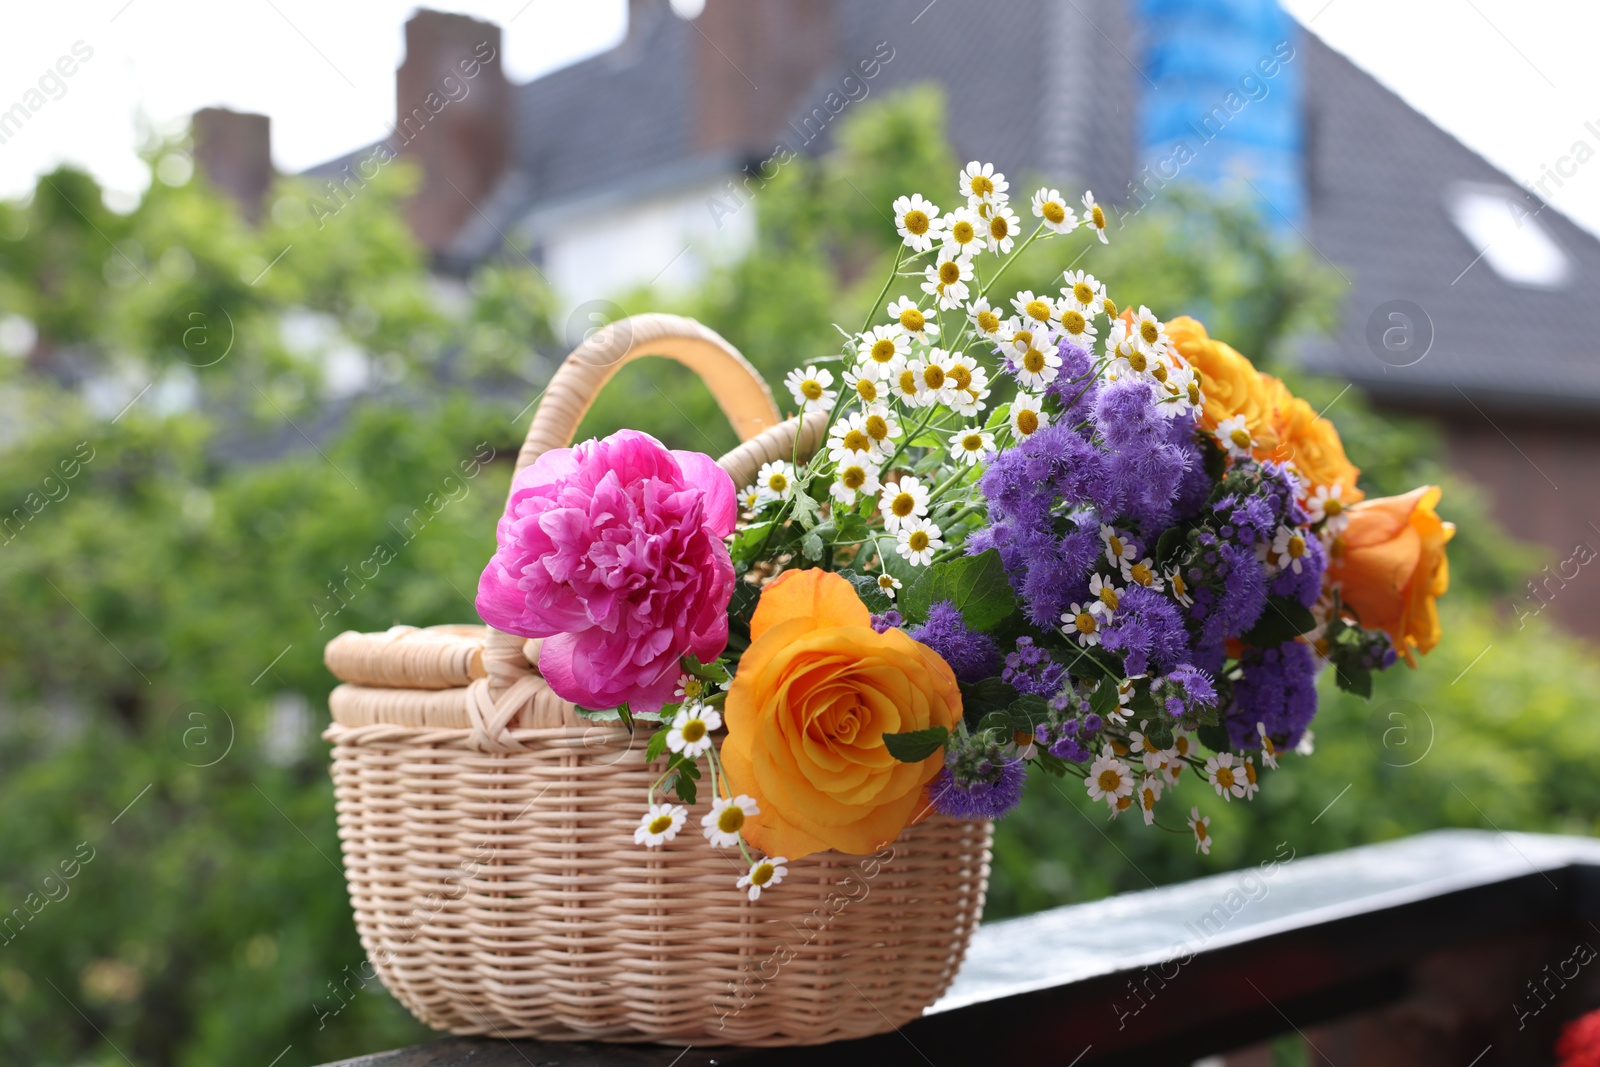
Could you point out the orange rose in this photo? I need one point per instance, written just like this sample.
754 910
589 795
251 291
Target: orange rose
813 696
1231 383
1313 444
1392 566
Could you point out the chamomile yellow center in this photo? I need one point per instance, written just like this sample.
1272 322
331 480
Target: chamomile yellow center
1225 777
1179 586
1141 574
877 427
1240 438
694 730
1297 546
867 389
988 321
1082 292
1033 361
660 823
1159 372
778 482
761 873
1194 392
1250 773
853 477
908 382
972 442
1182 746
980 185
731 819
1200 831
918 541
1053 212
1109 306
1073 321
1149 332
933 376
911 319
1108 597
1084 622
811 389
1037 310
1332 507
1137 361
883 350
885 582
949 272
1099 217
1109 781
1116 545
856 441
915 222
999 228
961 375
1027 422
962 232
903 504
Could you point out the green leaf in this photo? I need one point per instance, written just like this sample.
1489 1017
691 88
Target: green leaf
616 715
979 699
811 546
1357 680
1214 737
749 544
914 746
867 589
1104 701
1170 542
1160 734
1028 711
1052 765
657 746
715 671
682 777
977 586
1283 620
805 509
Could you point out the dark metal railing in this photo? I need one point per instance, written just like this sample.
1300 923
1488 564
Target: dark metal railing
1435 949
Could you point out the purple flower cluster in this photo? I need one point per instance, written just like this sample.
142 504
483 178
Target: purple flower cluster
1187 690
972 655
1278 688
1147 629
980 779
1030 669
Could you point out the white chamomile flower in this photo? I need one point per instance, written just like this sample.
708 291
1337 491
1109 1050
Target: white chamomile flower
848 441
881 426
971 444
985 319
1234 435
775 480
1269 750
659 825
810 388
1035 311
917 541
969 402
1108 598
918 222
1037 364
1118 548
1083 622
1200 826
913 321
1307 745
1180 587
691 730
1076 327
1083 291
689 688
1142 573
854 478
751 498
1225 776
869 389
1251 786
1149 793
907 386
947 280
1180 390
1004 229
962 372
888 584
902 502
1289 549
764 874
1109 778
1094 215
963 234
981 185
882 351
1028 416
1327 506
1149 332
1049 205
933 384
726 818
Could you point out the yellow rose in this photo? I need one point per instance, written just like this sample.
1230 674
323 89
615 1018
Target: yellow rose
1390 565
813 696
1313 444
1231 384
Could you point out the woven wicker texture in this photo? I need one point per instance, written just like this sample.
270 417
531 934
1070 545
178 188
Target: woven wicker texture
487 829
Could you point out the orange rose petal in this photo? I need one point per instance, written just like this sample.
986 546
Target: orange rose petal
808 594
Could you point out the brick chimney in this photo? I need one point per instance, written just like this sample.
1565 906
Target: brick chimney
233 150
754 62
452 119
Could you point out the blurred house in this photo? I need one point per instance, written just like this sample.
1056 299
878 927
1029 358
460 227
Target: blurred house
1468 299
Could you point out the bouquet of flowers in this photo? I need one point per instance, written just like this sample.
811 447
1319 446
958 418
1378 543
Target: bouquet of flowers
1043 532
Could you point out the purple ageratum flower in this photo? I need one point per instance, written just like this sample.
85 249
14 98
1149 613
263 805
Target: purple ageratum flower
887 621
1126 415
1244 594
1029 669
1254 520
1195 484
1277 687
1184 690
972 655
1075 389
1305 586
988 798
1148 631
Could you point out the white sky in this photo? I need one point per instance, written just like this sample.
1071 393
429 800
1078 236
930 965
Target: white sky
1513 79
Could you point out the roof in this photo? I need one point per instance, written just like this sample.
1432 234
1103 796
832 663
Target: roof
1380 177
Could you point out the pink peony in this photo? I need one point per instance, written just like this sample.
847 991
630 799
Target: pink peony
613 552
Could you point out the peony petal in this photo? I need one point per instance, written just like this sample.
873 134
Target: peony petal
721 496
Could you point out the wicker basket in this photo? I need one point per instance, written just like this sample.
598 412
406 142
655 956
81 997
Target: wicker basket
487 830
